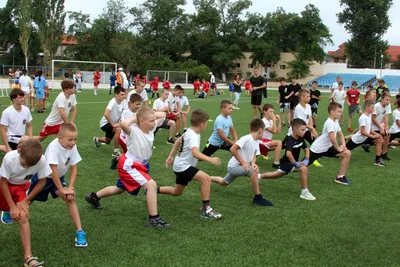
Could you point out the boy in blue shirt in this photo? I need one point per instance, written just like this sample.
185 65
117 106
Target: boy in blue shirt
113 78
222 126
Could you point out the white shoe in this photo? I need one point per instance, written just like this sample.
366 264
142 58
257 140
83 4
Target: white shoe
392 147
307 196
95 93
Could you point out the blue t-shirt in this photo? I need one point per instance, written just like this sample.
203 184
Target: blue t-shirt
39 85
112 79
224 124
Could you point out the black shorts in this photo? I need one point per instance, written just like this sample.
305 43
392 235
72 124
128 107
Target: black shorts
256 100
164 125
331 153
108 129
383 135
186 176
286 167
394 136
213 86
307 136
351 145
209 149
314 112
13 146
294 103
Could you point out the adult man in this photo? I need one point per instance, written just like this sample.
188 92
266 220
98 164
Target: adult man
265 89
257 86
121 79
212 82
335 86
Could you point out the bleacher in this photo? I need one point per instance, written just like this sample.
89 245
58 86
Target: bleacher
362 79
392 81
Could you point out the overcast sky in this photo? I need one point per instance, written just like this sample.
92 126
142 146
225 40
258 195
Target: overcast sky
328 10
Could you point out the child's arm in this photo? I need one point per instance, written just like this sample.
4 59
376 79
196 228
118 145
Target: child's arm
29 129
187 110
235 153
375 121
126 125
5 191
306 159
275 129
223 137
342 141
311 127
200 156
364 133
254 165
107 113
3 131
73 114
386 121
56 180
174 149
160 116
333 140
234 135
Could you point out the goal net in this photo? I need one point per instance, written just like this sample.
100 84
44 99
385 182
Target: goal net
173 76
62 67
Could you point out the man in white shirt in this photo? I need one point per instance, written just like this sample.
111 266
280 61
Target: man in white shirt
140 91
335 86
162 104
109 123
212 82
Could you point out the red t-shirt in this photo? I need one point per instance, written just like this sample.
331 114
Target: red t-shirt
154 84
206 87
353 95
196 85
167 85
247 85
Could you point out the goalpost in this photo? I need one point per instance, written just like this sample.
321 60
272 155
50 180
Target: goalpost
173 76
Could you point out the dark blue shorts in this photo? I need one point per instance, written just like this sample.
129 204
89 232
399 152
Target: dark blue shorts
135 192
49 188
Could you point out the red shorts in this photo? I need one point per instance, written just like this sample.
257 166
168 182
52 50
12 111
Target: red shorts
132 174
122 143
155 89
18 193
170 116
49 130
248 89
263 149
206 90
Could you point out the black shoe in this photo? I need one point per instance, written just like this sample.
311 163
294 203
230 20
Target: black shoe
178 135
262 202
93 200
366 148
261 116
184 131
385 156
170 141
158 223
283 124
114 163
276 166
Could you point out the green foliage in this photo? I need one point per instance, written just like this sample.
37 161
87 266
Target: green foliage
25 26
273 75
367 22
298 68
195 71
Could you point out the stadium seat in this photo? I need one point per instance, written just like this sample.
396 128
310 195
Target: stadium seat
362 79
392 81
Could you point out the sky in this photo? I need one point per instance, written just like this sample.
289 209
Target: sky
328 10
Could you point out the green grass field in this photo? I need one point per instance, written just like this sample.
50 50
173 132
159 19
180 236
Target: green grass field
354 225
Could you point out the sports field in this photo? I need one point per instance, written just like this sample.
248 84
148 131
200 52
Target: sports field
356 225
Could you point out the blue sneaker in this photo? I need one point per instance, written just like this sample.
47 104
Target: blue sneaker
6 217
342 180
80 240
262 202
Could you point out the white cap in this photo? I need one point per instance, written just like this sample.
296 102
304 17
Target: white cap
210 73
120 69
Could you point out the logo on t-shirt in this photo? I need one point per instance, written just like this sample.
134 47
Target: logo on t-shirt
24 122
67 162
28 177
308 116
69 104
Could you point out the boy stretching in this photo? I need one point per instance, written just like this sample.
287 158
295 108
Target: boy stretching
185 162
290 161
62 106
61 155
272 124
222 126
326 144
133 165
366 135
380 121
162 105
135 102
395 129
353 100
184 111
243 161
16 170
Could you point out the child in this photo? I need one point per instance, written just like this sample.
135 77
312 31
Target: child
154 87
339 96
395 129
380 121
370 95
137 77
353 100
315 95
247 87
380 88
113 79
222 126
62 154
243 161
366 135
39 84
135 102
140 91
32 95
62 106
185 162
15 84
326 144
272 126
132 166
294 96
230 88
290 161
175 106
183 103
283 101
166 85
206 87
17 168
196 87
162 105
26 86
398 95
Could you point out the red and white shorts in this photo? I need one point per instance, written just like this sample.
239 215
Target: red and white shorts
132 174
122 142
18 193
49 130
170 116
264 148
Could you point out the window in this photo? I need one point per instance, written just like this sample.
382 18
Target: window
282 67
237 65
250 66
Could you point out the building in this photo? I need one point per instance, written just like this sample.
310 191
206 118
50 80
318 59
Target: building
66 41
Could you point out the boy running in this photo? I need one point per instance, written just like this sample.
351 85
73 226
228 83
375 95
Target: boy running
185 163
222 126
61 155
315 95
353 100
283 101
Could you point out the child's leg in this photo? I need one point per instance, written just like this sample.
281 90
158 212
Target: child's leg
25 233
303 176
272 175
151 197
116 139
385 145
218 180
184 122
349 121
205 180
379 144
105 140
346 156
158 96
254 183
172 128
173 191
73 210
109 191
277 146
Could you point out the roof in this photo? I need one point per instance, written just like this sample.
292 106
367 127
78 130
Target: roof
393 51
338 53
68 40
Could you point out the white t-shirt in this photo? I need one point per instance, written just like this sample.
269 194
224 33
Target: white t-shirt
159 104
115 111
125 83
173 100
143 94
248 149
323 143
126 114
139 144
339 96
56 154
301 113
366 121
12 170
335 85
185 157
61 101
268 124
15 121
212 79
25 81
380 113
183 101
395 128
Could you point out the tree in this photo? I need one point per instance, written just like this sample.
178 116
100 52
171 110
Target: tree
367 22
25 26
298 68
80 23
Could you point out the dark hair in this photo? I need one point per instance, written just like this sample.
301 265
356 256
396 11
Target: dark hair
385 94
198 116
281 79
354 83
340 83
398 102
15 93
67 84
31 151
333 106
298 122
368 103
118 89
256 124
224 103
267 106
370 86
135 98
39 74
24 71
315 82
178 87
235 77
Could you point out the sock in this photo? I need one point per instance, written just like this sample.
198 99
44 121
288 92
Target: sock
384 155
276 162
185 129
259 176
206 203
257 197
304 190
377 158
95 195
154 217
152 96
158 190
339 176
158 95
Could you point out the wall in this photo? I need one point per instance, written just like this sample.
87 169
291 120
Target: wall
342 68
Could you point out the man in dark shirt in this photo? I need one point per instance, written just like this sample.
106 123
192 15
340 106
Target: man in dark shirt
257 86
266 84
294 89
283 101
315 95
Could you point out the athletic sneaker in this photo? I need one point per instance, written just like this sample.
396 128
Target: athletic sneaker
178 135
366 148
6 217
342 180
262 202
170 141
210 120
96 142
392 147
317 164
150 102
158 223
282 124
93 200
209 213
380 163
265 157
276 166
116 154
95 93
114 163
237 108
307 196
385 156
80 239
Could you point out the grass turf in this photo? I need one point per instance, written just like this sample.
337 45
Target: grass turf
353 225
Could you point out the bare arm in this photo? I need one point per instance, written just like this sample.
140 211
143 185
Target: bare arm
234 134
375 121
224 137
3 130
333 140
235 153
200 156
73 114
126 125
29 129
306 152
290 157
364 133
72 176
107 113
63 115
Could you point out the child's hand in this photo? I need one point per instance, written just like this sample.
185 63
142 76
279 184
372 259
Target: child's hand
169 162
255 168
314 133
246 167
23 207
15 213
278 117
68 191
342 148
297 165
216 161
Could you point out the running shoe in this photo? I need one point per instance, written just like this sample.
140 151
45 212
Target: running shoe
80 239
116 154
6 217
262 202
170 141
317 164
96 142
380 163
307 195
366 148
276 166
158 223
209 213
93 200
342 180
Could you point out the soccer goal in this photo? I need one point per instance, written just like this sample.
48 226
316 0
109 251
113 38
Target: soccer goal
62 67
173 76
